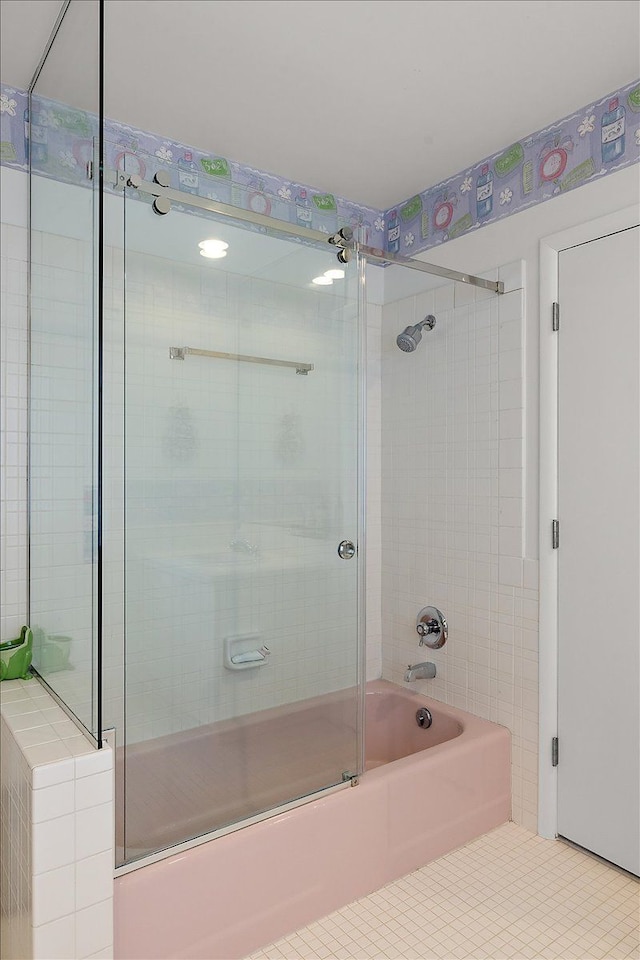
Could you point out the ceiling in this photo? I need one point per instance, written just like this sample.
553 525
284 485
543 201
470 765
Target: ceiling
370 100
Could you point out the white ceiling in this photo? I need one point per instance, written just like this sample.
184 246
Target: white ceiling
368 99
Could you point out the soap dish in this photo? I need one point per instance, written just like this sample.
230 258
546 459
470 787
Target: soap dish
245 652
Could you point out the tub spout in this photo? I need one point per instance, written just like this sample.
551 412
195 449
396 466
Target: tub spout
420 671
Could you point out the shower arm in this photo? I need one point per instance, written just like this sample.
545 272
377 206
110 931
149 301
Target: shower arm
429 321
164 195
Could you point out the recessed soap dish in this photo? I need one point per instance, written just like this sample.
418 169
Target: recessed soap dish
245 652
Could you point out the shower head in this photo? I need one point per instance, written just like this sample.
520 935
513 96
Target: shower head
410 337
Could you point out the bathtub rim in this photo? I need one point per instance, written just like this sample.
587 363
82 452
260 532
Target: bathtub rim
178 848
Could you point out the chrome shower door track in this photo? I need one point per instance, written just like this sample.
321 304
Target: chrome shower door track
122 180
496 286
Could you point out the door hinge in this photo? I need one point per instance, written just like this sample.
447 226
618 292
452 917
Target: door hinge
89 169
555 534
554 752
555 316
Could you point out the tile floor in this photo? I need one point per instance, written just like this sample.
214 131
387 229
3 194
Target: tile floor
509 894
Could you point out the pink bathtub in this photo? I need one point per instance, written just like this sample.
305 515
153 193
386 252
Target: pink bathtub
425 792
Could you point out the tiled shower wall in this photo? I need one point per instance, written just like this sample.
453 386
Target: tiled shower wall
62 465
56 889
13 481
453 510
219 453
180 697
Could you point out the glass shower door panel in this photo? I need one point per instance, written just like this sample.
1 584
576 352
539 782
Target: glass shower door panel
243 644
64 351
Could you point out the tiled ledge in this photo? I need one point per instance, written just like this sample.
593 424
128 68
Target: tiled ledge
57 831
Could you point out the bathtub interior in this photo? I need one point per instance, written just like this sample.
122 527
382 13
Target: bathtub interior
199 781
391 729
203 780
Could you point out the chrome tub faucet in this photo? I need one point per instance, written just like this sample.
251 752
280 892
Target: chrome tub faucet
420 671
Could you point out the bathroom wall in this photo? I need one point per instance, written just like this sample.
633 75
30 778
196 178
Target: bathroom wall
13 374
63 462
600 138
56 883
177 301
452 509
516 236
490 662
218 452
63 135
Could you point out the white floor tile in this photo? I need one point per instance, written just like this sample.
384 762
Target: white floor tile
509 894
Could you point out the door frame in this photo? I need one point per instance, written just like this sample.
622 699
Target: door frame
550 249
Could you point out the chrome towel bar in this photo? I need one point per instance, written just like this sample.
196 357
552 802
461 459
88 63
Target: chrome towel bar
179 353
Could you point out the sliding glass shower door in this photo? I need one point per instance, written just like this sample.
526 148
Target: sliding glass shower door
242 430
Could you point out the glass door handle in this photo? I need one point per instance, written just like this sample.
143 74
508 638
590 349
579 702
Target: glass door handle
346 549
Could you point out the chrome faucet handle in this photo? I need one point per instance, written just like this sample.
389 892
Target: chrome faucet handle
432 628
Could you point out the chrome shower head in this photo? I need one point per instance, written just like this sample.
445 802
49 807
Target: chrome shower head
410 337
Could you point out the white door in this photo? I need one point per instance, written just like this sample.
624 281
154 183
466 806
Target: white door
598 556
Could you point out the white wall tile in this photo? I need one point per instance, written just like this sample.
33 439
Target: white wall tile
96 761
13 466
453 508
53 843
94 879
52 802
50 774
55 940
510 571
46 753
93 790
531 574
53 895
512 275
94 929
41 883
35 736
93 831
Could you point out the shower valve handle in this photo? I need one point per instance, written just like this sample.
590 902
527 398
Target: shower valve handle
432 628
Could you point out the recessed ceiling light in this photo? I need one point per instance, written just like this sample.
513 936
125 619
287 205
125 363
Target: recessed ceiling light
334 274
213 249
322 281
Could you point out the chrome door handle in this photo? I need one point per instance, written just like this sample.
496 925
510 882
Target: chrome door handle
346 549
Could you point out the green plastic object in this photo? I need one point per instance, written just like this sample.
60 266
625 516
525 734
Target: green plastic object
53 653
16 656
